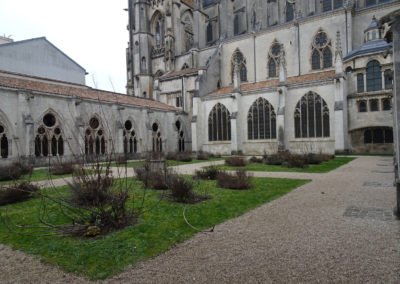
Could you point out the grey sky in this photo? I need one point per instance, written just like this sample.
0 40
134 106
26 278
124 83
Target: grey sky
91 32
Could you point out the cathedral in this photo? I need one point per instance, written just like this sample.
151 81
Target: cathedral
222 76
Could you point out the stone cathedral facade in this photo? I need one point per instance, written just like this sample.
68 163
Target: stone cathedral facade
223 76
255 76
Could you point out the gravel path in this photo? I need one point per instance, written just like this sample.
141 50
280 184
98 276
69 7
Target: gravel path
337 228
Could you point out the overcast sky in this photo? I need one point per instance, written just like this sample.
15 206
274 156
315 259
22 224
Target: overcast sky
92 32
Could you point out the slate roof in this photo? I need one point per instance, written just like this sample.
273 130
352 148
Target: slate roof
54 87
44 39
368 48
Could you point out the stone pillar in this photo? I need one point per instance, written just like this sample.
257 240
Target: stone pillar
236 146
396 107
280 119
194 123
282 92
340 125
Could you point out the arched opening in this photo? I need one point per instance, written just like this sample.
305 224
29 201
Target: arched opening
129 138
374 76
219 124
311 117
261 120
49 138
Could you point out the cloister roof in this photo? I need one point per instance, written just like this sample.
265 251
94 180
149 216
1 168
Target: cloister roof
275 82
54 87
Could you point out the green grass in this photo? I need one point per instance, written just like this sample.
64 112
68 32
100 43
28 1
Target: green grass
324 167
157 230
170 163
37 175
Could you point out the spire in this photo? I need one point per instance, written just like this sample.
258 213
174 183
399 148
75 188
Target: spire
338 45
282 66
338 55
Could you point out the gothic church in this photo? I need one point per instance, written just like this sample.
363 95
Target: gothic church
223 76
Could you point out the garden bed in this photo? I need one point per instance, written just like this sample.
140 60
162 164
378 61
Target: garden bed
324 167
157 230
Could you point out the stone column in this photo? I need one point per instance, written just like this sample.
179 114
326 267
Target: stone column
282 92
340 125
396 107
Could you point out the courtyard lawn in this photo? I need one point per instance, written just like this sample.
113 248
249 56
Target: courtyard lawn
157 230
37 175
324 167
170 163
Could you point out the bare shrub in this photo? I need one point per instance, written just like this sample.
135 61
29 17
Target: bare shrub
256 160
235 161
17 192
62 168
295 161
184 157
121 160
240 180
312 159
171 156
88 191
10 173
158 180
208 173
24 167
203 156
181 188
273 160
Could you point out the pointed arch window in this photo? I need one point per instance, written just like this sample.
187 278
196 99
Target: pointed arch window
95 142
388 79
209 32
261 120
321 56
157 138
236 24
219 124
4 143
159 30
129 138
374 76
273 59
238 58
289 12
49 140
188 32
311 117
181 136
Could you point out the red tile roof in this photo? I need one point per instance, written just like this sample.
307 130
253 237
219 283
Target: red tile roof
19 81
275 82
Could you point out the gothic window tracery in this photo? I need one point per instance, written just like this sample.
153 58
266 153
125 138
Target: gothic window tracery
311 117
129 138
157 138
321 51
273 59
159 30
181 136
188 32
49 140
378 135
95 142
4 143
261 120
239 60
219 124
